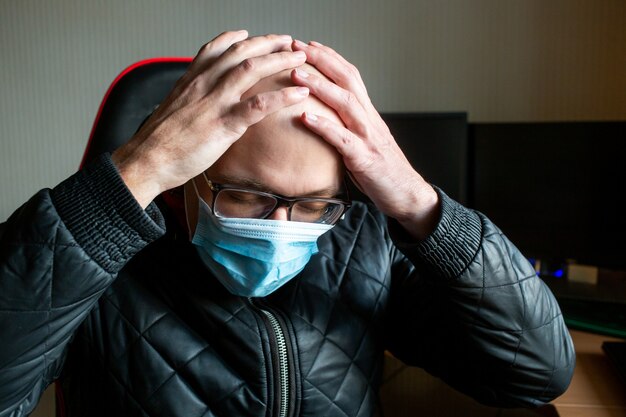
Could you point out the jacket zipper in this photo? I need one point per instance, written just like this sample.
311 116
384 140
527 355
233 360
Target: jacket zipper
282 374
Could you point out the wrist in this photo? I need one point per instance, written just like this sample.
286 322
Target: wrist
422 212
135 174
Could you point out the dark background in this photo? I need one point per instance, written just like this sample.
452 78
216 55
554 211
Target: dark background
557 189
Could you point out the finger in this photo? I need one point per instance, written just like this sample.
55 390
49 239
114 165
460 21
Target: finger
339 70
209 52
211 74
330 51
346 142
252 70
249 48
216 46
344 102
213 49
256 108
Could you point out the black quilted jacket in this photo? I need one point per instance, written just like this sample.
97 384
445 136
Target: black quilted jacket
94 292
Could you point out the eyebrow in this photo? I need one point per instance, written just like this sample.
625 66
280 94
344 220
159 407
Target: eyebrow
258 186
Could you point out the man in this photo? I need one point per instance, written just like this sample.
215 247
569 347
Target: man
266 294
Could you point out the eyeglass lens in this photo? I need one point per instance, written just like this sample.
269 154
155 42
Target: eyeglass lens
248 204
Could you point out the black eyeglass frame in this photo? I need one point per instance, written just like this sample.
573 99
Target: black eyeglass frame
281 201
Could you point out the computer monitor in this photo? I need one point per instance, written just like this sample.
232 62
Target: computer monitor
558 190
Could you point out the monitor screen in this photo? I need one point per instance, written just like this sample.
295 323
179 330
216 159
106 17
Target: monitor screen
557 190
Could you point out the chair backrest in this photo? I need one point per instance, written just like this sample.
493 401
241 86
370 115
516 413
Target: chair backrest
132 96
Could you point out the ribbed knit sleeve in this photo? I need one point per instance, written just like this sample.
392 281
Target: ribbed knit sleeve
104 217
452 245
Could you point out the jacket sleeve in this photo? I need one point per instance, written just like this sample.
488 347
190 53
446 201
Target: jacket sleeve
468 307
58 253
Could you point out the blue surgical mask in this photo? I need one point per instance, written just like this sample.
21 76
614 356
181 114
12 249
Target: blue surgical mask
254 257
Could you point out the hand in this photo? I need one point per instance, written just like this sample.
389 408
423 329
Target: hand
371 155
204 114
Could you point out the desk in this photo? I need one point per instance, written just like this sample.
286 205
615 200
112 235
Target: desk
595 391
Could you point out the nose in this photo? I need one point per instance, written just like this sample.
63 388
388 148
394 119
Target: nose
279 214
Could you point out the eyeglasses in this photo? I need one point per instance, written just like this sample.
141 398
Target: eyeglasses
238 202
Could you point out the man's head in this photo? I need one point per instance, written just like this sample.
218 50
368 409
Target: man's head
277 155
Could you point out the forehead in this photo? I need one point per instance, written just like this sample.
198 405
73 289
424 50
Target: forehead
280 161
280 152
252 184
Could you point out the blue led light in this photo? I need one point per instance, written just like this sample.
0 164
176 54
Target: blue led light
559 273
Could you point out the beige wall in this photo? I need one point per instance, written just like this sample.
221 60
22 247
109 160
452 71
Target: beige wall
500 60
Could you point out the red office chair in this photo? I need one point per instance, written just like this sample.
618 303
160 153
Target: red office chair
130 99
132 96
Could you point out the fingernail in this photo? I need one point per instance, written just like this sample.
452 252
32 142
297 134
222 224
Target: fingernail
310 117
300 43
301 73
303 91
315 43
300 54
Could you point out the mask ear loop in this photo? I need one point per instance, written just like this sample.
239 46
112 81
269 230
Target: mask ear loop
195 187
